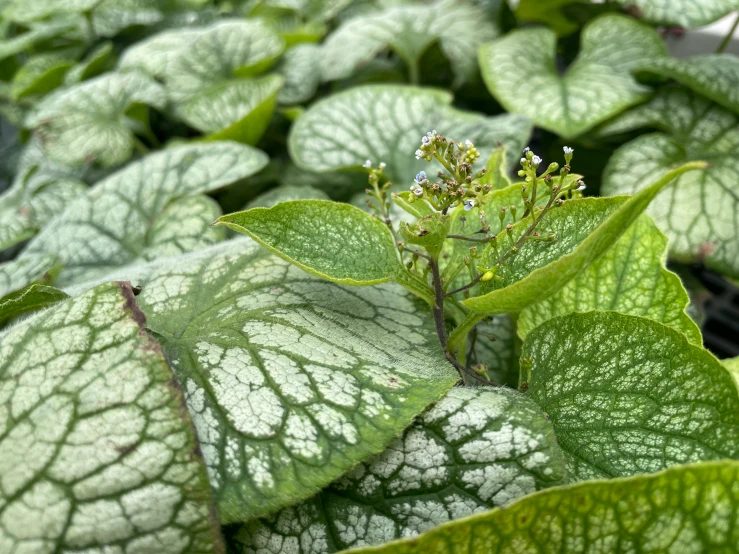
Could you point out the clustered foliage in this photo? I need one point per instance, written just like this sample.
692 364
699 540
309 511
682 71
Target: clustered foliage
415 347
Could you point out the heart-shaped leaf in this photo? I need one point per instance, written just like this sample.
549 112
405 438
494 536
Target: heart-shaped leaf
96 449
121 217
630 278
86 122
629 395
409 31
105 18
335 241
191 60
683 13
519 69
110 17
237 110
715 76
676 510
584 230
475 449
290 380
301 69
386 123
700 211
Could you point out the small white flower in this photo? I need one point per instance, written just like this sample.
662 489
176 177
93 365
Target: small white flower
568 150
431 133
523 161
383 165
426 141
367 164
419 154
526 149
469 203
417 190
421 178
468 143
582 186
535 161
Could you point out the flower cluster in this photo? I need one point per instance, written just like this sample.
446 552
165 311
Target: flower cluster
458 184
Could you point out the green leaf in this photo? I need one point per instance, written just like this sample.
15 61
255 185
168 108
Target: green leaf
106 17
584 230
630 278
184 225
497 175
684 509
40 190
41 74
291 380
474 449
462 222
286 193
629 395
31 203
678 13
386 123
23 11
520 72
36 34
409 31
29 299
732 364
86 122
96 449
301 69
124 218
683 13
335 241
548 12
715 76
429 232
191 60
237 110
700 211
95 62
110 17
24 270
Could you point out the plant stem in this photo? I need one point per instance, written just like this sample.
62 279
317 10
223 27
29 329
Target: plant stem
470 239
438 311
729 35
413 72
